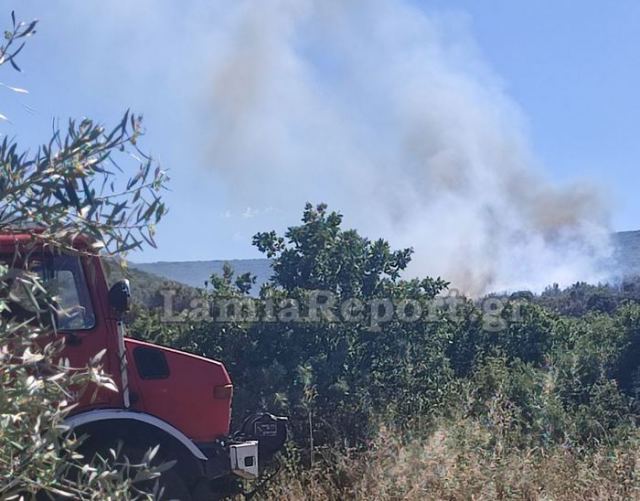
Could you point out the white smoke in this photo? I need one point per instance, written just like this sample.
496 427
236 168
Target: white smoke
390 115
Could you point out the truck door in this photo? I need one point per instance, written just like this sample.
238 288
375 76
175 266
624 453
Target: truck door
79 315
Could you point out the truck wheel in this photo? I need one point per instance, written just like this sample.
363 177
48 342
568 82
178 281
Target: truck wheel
174 485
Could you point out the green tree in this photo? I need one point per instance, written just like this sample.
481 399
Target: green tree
319 254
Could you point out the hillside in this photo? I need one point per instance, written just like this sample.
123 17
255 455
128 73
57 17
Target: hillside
195 273
145 286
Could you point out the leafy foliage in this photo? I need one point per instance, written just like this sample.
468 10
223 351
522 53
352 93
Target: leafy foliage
37 393
320 255
67 187
561 378
63 190
12 38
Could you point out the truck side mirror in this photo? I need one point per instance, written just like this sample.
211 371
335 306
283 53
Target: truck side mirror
120 297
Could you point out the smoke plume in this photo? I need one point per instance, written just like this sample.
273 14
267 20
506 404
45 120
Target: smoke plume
390 115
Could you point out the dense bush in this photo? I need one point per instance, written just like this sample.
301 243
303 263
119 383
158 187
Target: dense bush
582 298
562 380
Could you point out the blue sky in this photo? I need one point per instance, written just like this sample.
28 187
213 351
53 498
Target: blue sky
572 70
575 71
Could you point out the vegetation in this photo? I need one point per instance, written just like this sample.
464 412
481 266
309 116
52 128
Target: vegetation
65 188
531 396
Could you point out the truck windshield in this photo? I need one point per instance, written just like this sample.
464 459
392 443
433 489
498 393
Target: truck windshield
63 278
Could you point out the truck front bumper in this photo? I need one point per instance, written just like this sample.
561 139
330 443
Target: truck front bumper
243 459
247 451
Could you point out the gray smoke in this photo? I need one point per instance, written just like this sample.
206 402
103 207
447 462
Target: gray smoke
390 114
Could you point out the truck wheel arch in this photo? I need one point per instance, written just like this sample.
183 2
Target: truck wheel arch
107 425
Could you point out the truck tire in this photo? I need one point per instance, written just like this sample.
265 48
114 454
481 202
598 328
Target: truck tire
173 484
174 487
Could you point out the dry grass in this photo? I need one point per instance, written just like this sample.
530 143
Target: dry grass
464 461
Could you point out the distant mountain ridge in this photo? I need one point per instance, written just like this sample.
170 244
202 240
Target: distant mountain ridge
626 262
196 273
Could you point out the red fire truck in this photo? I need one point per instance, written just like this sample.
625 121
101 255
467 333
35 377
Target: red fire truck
175 399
